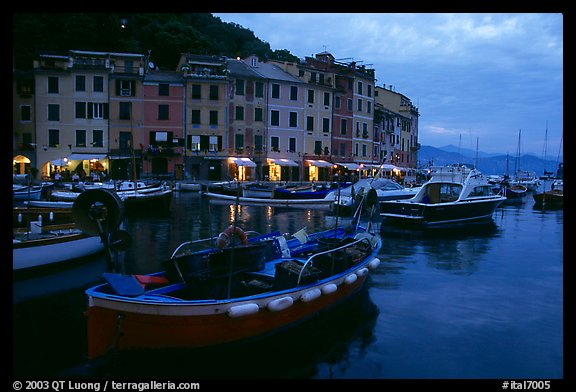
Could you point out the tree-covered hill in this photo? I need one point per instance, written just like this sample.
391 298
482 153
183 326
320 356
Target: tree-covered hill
164 35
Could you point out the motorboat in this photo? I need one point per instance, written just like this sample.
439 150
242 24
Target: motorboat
454 194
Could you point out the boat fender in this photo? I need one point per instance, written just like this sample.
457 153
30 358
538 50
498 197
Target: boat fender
310 295
362 272
280 304
350 279
243 310
374 263
329 288
224 237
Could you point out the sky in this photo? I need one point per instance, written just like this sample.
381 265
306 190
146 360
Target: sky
487 82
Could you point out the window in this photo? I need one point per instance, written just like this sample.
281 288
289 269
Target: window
163 112
213 93
343 126
310 96
343 149
196 91
293 93
309 123
240 113
163 89
53 137
275 143
53 112
25 113
359 105
321 81
195 117
292 144
213 117
125 88
97 110
317 147
368 107
350 108
125 110
363 150
80 138
258 143
369 88
259 87
360 92
293 119
239 87
80 83
326 99
337 102
124 140
239 141
275 90
258 114
313 77
80 110
325 125
53 85
194 143
98 84
97 138
213 143
274 117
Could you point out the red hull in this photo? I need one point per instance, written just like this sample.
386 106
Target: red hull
124 330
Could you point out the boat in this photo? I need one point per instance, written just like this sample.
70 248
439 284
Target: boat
23 215
188 186
553 198
26 192
231 292
289 203
159 198
347 200
303 192
35 250
454 194
259 190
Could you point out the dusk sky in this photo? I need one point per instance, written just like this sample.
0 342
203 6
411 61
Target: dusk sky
476 78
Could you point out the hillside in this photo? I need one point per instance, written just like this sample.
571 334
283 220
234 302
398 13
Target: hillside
487 163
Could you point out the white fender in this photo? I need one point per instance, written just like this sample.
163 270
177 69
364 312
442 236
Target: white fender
329 289
362 272
280 304
311 295
350 279
243 310
375 262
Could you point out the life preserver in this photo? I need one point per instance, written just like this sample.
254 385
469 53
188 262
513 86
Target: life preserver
224 237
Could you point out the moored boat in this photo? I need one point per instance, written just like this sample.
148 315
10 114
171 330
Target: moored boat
454 194
230 292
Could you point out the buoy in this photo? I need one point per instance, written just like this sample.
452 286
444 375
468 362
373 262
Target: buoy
280 304
311 295
329 288
375 262
243 310
350 279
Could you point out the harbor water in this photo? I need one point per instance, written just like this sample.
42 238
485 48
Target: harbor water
472 302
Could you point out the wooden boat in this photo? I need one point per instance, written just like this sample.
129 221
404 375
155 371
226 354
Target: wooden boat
146 198
230 293
454 194
25 192
553 197
514 193
309 192
188 186
34 250
22 216
293 203
258 190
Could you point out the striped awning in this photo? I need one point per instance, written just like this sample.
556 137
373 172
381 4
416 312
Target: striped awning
282 162
349 165
86 157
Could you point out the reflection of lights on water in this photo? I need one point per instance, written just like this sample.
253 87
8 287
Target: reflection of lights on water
309 215
269 212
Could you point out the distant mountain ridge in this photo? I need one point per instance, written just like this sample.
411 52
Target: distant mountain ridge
487 163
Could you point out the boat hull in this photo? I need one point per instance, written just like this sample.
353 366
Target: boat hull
126 326
34 254
408 213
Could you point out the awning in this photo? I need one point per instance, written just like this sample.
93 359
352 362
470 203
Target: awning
242 161
282 162
349 166
60 162
319 163
86 157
